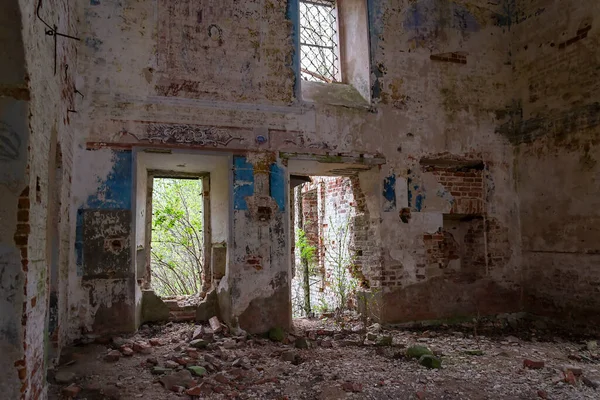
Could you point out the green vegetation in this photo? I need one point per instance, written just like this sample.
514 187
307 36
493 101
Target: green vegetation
340 259
177 237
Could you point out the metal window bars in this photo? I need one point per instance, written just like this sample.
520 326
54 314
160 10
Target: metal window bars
319 60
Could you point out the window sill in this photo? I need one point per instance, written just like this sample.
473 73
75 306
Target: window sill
333 94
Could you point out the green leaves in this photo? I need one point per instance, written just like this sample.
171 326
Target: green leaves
307 251
177 240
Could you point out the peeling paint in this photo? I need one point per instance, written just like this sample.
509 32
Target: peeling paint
277 186
389 193
243 182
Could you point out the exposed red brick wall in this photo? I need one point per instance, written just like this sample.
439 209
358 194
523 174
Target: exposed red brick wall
440 248
21 240
340 198
310 216
467 241
465 185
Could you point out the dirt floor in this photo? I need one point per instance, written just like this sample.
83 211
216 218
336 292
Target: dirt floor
490 362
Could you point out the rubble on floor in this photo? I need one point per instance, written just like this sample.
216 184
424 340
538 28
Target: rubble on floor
320 360
182 308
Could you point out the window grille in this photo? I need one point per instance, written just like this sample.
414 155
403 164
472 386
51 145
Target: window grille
319 60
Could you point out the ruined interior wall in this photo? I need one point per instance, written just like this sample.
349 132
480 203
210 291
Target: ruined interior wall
258 280
443 78
440 72
14 135
555 124
35 127
102 276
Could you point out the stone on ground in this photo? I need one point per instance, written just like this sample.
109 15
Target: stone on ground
418 351
160 370
215 324
181 378
302 343
199 343
276 334
592 345
384 341
533 364
126 351
197 370
208 307
204 389
430 361
71 391
112 356
352 387
289 356
198 332
590 383
63 377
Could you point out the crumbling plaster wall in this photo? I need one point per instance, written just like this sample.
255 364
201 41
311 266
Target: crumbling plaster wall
35 127
102 290
554 123
184 74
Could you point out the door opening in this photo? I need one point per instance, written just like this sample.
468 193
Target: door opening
325 253
178 245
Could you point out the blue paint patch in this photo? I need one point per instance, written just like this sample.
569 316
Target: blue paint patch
243 182
95 2
114 193
293 14
426 18
389 193
419 202
277 186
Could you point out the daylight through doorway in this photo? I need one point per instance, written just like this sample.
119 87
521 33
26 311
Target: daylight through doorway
177 246
324 247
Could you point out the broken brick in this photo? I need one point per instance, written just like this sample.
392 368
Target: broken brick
533 364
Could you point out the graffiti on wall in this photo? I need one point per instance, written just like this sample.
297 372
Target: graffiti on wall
186 134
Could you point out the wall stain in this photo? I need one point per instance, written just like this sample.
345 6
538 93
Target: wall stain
10 143
561 126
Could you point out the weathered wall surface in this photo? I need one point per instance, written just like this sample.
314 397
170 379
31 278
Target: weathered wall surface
35 160
221 76
440 78
14 136
102 275
555 124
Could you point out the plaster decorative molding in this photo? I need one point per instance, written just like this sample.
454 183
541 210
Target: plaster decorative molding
185 133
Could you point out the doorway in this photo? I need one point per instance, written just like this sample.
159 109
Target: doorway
325 254
179 235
